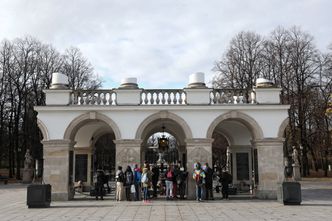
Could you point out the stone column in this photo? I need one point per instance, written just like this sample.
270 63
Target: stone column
57 168
127 152
198 150
270 167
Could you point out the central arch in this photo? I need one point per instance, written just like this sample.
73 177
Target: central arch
174 125
160 116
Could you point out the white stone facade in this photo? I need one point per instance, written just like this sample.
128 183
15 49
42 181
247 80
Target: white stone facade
71 120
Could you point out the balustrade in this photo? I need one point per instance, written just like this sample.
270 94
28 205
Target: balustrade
232 96
163 97
93 97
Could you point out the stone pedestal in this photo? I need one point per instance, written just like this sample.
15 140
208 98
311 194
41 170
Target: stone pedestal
27 175
198 150
127 152
270 167
57 168
296 172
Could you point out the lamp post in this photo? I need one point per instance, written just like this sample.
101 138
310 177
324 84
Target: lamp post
163 145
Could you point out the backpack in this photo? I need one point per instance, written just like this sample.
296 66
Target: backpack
138 177
120 177
198 179
145 178
100 178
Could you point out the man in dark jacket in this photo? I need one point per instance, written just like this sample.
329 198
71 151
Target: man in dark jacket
155 179
208 182
129 180
99 185
182 182
226 179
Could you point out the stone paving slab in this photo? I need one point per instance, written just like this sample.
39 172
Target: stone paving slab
317 205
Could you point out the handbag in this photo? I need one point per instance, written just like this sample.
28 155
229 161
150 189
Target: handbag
132 189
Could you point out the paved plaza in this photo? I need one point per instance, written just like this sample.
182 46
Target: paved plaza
316 205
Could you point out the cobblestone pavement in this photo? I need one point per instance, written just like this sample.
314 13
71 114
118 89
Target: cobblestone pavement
316 205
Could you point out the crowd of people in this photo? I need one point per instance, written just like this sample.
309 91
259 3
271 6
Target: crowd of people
171 181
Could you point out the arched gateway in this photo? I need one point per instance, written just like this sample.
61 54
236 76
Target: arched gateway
84 130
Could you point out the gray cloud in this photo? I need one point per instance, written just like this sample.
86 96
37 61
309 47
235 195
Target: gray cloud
160 42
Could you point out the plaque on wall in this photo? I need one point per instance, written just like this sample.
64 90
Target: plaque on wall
81 167
242 166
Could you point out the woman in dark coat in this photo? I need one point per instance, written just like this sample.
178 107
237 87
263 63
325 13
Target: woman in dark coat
129 180
226 179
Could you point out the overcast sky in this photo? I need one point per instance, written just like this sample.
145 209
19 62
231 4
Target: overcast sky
161 42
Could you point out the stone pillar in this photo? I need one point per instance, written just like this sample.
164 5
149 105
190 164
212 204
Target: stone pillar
127 152
57 168
270 167
198 150
197 93
267 95
128 93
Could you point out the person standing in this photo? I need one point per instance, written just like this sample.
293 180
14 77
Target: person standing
175 178
169 183
226 179
137 182
119 177
208 182
199 177
99 185
155 179
129 180
146 179
182 180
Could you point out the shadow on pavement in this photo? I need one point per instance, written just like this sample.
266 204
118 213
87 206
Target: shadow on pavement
80 206
317 204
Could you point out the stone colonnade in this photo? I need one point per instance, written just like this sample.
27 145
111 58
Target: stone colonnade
58 166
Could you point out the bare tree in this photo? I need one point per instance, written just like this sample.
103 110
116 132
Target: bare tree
289 58
79 70
242 62
26 65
